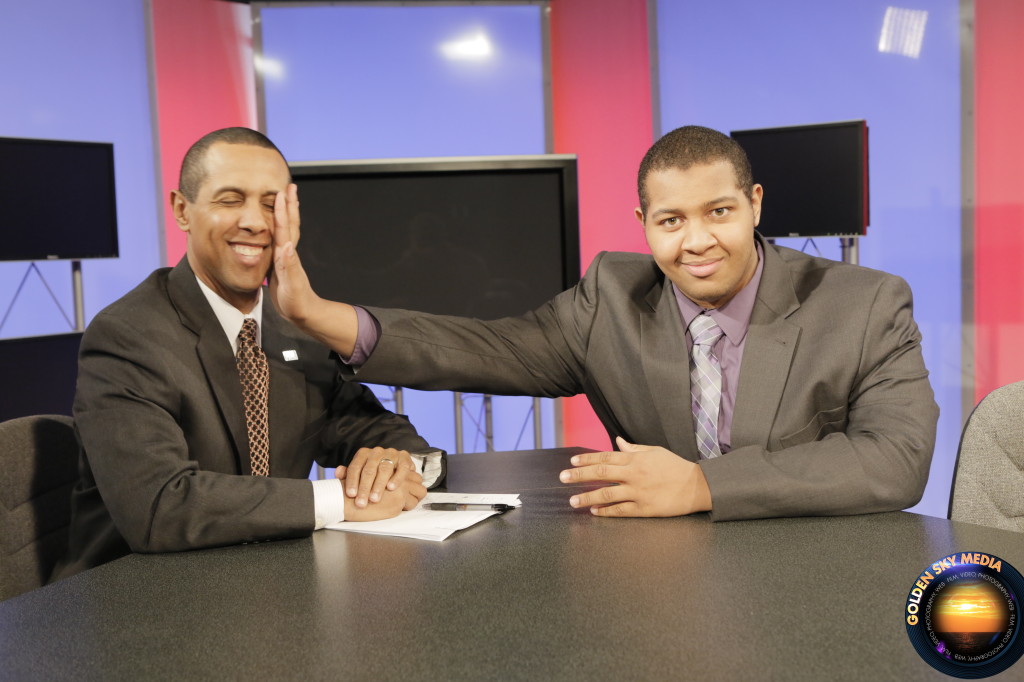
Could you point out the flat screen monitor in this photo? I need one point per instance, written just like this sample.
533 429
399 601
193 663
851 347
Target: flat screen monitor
815 178
38 374
58 199
483 237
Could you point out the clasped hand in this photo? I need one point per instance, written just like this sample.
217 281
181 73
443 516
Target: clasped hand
651 481
382 477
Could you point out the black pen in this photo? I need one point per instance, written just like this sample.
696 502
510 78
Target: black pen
455 506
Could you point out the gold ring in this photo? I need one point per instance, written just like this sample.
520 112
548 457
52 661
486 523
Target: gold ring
389 461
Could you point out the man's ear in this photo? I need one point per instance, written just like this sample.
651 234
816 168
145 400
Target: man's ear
757 193
179 204
638 212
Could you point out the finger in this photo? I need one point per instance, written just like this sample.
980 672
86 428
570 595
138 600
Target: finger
340 473
413 494
283 256
417 490
625 445
602 497
355 470
387 471
293 213
611 457
612 468
282 227
403 467
628 508
592 473
379 466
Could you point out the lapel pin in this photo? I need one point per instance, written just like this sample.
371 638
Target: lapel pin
290 355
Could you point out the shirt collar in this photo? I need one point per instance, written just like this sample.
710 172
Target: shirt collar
231 318
734 316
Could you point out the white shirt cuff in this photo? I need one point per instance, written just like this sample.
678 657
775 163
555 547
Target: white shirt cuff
328 502
428 466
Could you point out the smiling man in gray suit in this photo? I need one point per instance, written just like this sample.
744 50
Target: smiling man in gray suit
809 391
169 444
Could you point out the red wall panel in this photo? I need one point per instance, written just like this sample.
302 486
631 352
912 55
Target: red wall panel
999 191
204 81
601 100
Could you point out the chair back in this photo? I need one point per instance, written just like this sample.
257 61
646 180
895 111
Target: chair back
38 469
988 481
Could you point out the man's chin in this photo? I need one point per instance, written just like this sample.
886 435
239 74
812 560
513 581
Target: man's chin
706 297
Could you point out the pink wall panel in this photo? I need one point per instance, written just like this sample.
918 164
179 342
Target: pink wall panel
204 81
601 97
999 187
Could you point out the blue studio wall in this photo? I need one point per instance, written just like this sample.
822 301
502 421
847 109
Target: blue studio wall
77 70
397 82
394 82
737 64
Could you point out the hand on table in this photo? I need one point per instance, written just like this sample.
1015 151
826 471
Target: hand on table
373 472
389 506
652 481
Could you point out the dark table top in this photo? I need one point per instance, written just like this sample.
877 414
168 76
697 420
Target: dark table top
544 592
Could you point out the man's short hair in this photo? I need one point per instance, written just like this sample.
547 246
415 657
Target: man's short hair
689 146
193 166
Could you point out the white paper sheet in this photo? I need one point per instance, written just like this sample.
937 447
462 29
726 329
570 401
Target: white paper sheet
427 524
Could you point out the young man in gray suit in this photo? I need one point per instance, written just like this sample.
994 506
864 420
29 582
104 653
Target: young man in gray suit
805 392
178 452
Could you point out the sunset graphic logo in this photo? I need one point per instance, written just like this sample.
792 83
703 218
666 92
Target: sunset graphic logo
962 615
970 616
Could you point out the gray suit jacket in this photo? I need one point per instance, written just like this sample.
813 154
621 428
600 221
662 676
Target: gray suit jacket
165 455
834 413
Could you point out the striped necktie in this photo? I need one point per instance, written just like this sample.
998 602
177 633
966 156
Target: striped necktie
705 384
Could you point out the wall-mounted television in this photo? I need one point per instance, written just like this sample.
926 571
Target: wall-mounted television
815 178
58 198
484 237
38 374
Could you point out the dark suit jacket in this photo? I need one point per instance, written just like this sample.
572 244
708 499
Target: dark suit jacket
165 454
834 413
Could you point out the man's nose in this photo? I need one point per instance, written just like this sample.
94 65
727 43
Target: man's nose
697 238
253 217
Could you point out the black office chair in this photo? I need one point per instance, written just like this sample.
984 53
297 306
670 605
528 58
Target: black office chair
38 468
988 481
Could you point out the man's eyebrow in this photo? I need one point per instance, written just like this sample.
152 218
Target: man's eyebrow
726 199
239 190
222 190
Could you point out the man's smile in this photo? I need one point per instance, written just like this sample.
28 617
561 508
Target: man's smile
702 268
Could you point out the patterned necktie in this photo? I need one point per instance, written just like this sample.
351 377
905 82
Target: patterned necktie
255 375
705 384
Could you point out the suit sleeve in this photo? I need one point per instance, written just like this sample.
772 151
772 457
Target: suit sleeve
130 409
538 354
872 456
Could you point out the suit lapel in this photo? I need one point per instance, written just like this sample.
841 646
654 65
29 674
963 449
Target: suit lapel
767 355
214 351
667 368
287 402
